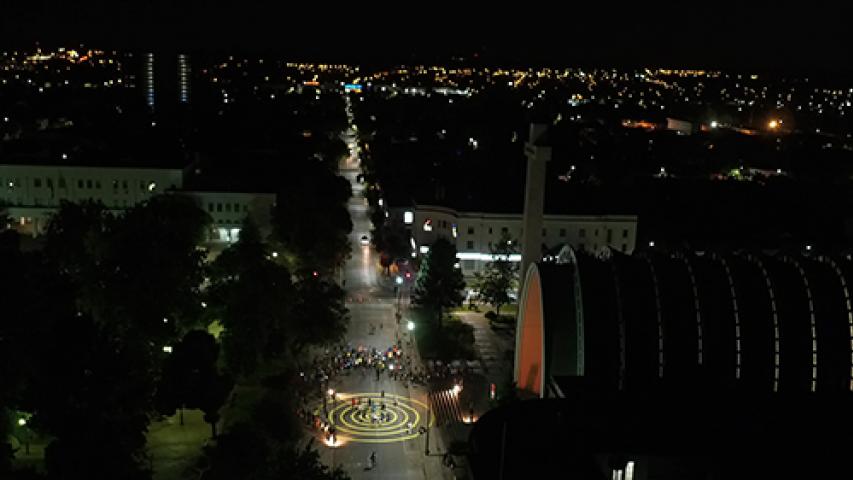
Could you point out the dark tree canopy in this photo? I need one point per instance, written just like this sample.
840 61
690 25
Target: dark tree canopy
253 296
440 283
500 275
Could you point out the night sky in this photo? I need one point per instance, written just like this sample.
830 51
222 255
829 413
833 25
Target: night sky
714 34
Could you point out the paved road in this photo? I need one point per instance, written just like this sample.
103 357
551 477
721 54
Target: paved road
373 324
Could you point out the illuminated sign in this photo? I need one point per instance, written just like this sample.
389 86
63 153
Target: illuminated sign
352 87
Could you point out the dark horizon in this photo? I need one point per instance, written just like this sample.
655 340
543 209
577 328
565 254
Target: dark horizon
745 38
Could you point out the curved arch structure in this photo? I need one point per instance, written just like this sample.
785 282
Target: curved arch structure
744 321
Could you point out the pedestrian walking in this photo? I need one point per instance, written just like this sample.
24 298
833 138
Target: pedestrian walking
372 459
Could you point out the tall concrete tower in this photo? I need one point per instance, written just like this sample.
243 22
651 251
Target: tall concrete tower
538 154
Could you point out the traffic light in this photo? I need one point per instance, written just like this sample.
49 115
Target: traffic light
492 391
408 275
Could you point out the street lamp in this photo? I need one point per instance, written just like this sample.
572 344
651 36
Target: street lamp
410 325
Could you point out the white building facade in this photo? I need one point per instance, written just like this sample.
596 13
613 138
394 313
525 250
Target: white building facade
32 193
474 233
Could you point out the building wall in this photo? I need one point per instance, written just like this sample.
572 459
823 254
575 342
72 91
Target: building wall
33 193
476 233
228 209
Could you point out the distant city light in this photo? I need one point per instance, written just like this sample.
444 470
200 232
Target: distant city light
167 348
410 325
274 254
774 124
408 217
165 320
22 422
651 243
714 124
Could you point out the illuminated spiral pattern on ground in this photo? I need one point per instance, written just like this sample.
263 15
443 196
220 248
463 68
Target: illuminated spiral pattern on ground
368 422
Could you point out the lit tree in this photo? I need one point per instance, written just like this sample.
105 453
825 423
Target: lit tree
440 283
500 275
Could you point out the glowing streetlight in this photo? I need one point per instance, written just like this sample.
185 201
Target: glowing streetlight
274 254
773 124
331 392
22 422
714 124
399 280
410 325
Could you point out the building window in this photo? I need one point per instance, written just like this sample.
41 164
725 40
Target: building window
408 218
504 230
428 225
37 182
98 184
624 233
236 207
596 232
544 232
124 184
115 185
470 230
227 207
583 233
609 235
245 208
581 247
470 245
219 208
562 232
88 184
49 183
468 264
490 230
624 248
79 183
210 207
61 182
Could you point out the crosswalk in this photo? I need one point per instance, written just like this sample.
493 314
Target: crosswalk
445 406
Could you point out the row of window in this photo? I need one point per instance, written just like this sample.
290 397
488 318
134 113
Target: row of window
581 246
218 207
582 232
81 184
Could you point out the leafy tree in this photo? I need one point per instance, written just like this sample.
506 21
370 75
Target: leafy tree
245 452
320 314
440 283
192 379
253 296
135 270
312 224
333 150
500 275
92 394
156 268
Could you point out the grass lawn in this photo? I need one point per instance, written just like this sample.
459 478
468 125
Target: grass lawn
453 341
